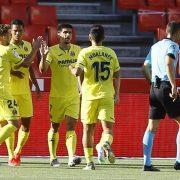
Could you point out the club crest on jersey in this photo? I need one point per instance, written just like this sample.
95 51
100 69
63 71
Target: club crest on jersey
25 48
72 53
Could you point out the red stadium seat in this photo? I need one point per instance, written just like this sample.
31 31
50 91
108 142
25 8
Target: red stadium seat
52 35
161 33
151 20
44 15
178 3
174 14
34 31
53 38
160 4
8 13
27 2
131 4
4 2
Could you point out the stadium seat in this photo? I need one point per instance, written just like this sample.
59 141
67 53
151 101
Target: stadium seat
53 38
8 13
33 31
131 4
45 15
160 4
161 33
27 2
4 2
151 20
52 35
174 14
178 3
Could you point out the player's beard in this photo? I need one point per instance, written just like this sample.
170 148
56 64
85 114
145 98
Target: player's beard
67 42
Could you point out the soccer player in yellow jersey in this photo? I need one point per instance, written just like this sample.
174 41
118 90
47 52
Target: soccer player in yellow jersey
64 96
8 56
21 92
99 93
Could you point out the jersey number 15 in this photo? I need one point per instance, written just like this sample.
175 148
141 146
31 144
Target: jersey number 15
100 67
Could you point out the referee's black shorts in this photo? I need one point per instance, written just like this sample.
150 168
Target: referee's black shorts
161 103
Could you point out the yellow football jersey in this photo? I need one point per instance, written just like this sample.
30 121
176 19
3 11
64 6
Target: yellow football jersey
21 86
99 64
63 83
7 58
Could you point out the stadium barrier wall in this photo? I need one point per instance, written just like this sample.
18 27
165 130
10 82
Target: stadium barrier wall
131 121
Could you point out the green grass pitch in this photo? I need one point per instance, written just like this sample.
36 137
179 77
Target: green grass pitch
123 169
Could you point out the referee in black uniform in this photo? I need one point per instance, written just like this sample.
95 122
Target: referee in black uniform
159 68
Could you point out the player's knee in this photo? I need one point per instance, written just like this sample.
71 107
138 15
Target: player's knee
153 125
70 126
108 131
153 129
25 128
15 124
88 128
54 129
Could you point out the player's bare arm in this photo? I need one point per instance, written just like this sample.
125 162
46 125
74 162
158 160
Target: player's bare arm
171 75
146 68
75 71
34 81
29 59
80 81
18 74
43 65
116 83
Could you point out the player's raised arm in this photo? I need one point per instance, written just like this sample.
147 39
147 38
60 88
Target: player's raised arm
44 51
34 81
29 59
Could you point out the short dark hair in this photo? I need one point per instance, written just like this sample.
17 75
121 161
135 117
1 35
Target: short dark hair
17 22
173 27
97 33
4 29
62 26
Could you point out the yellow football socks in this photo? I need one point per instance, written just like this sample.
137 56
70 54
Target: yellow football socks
22 138
88 153
53 139
10 145
71 140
